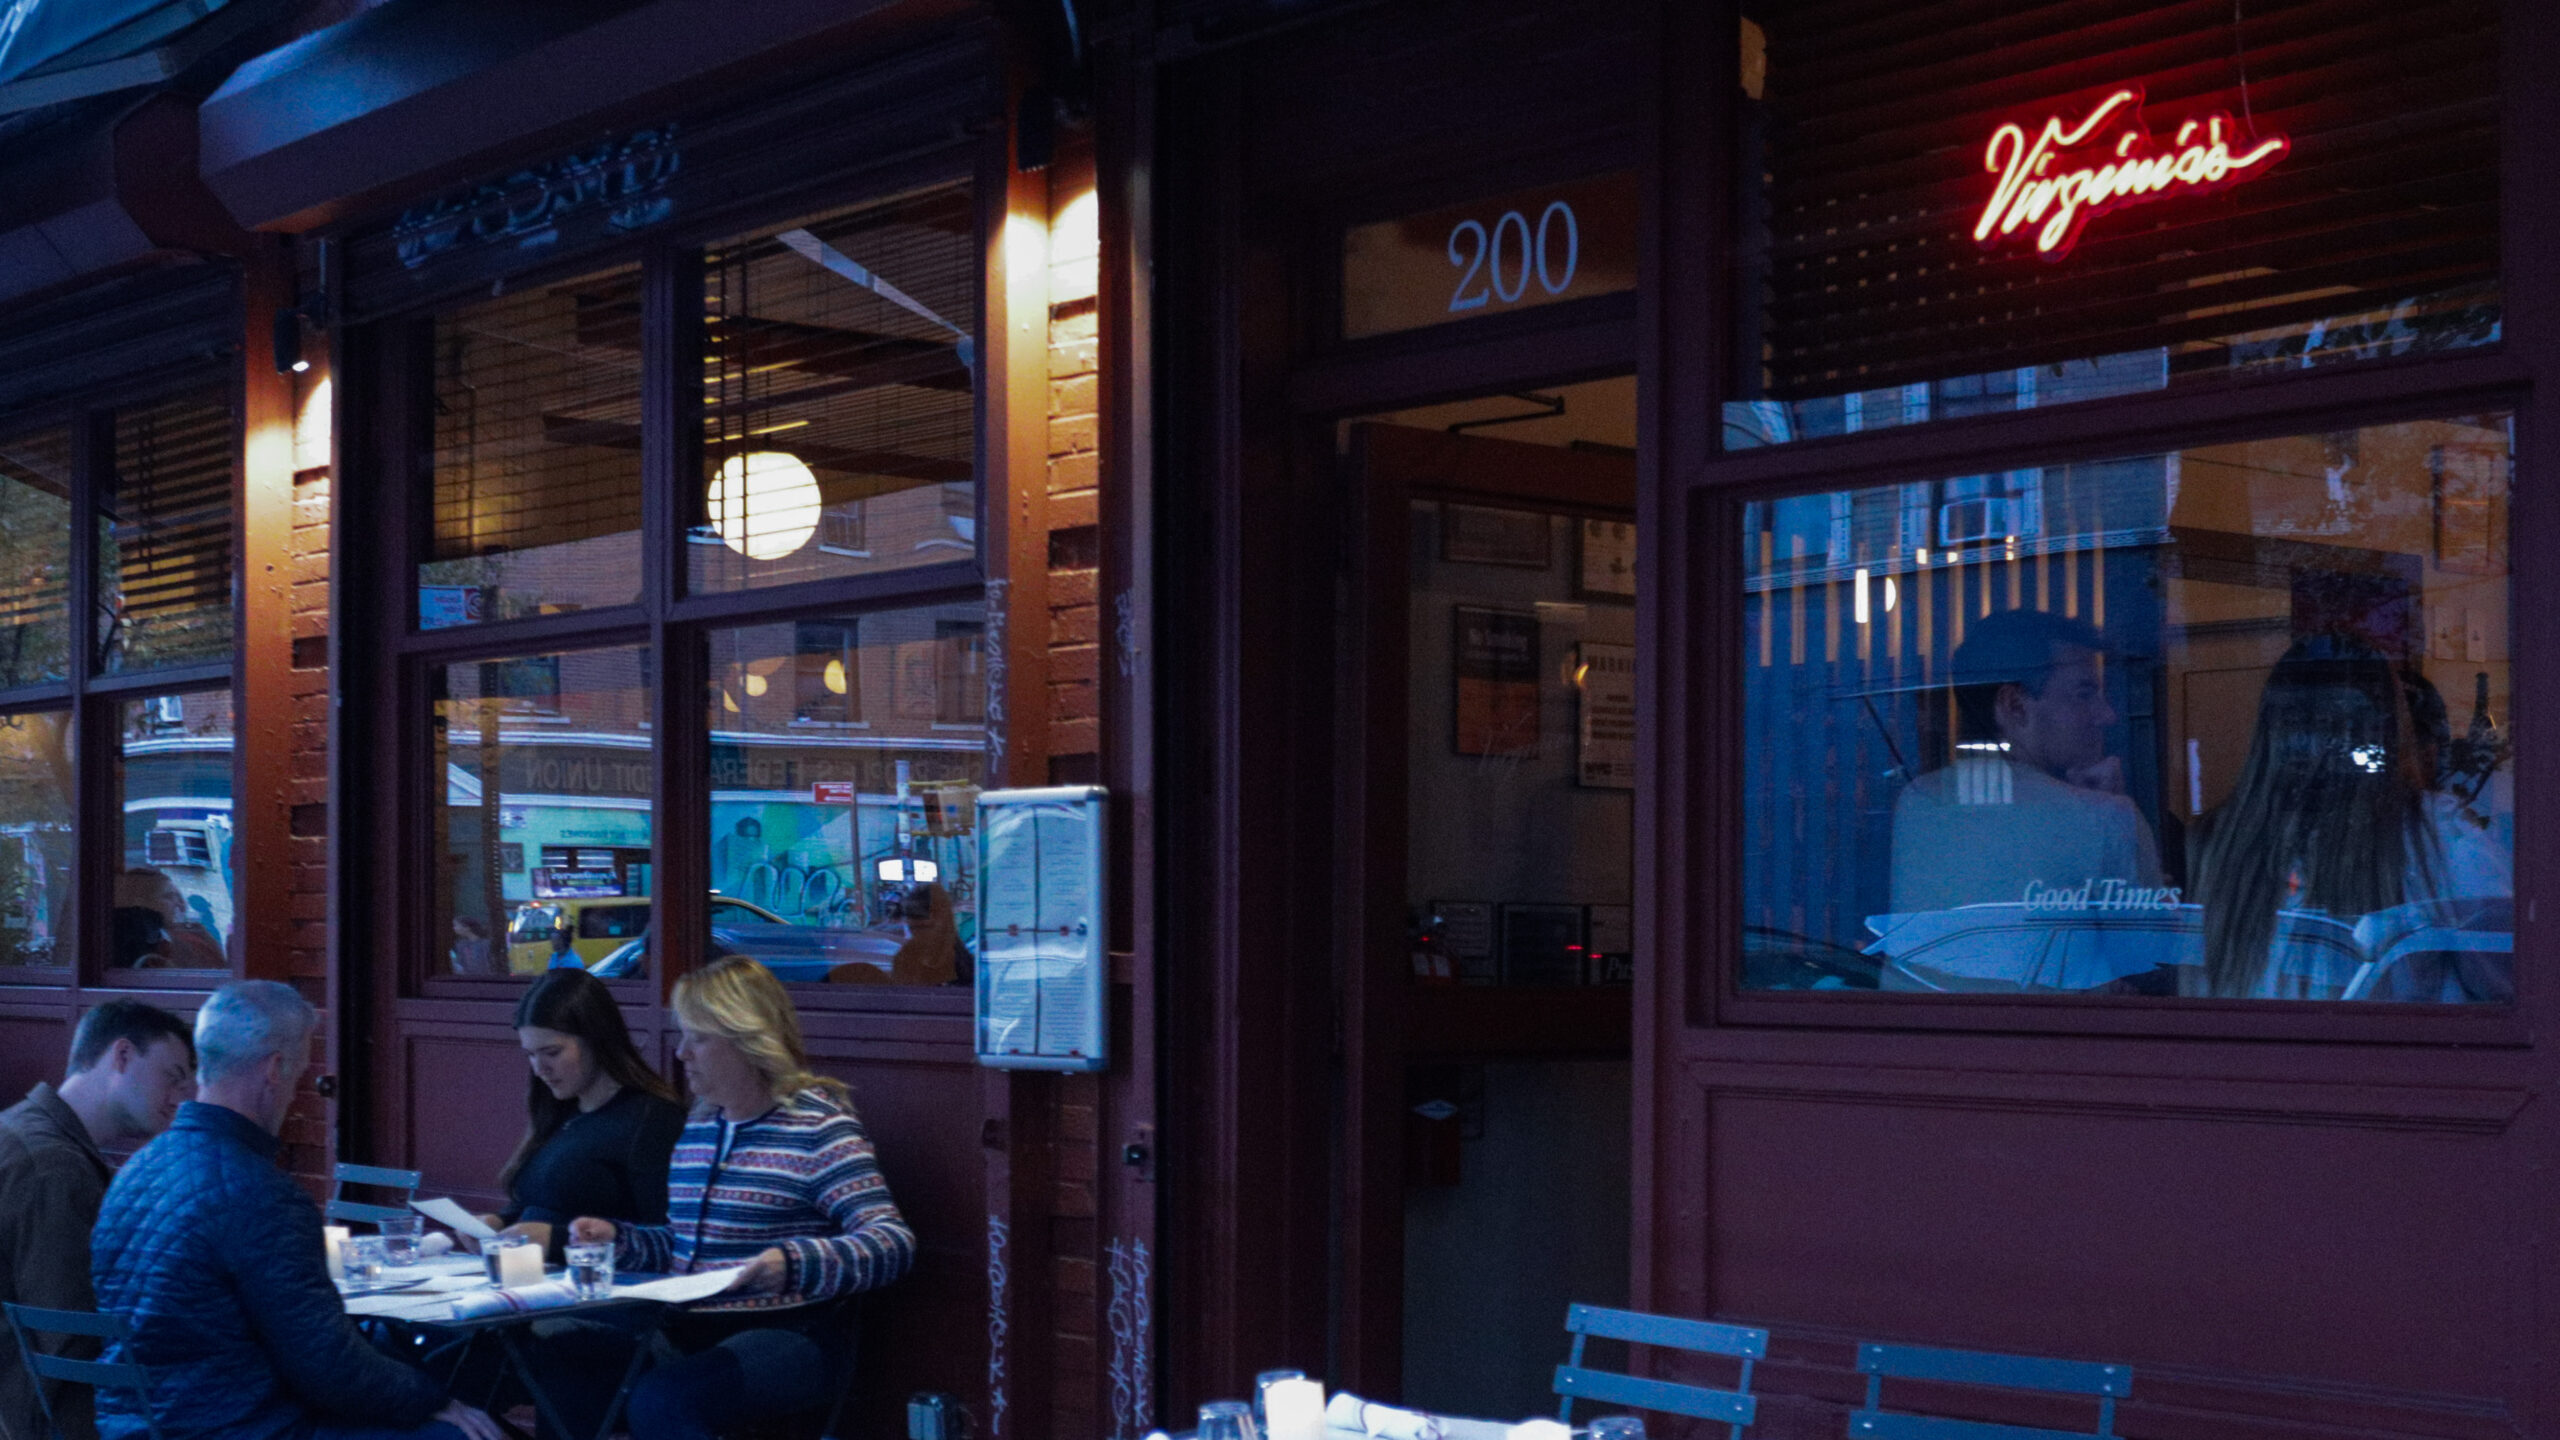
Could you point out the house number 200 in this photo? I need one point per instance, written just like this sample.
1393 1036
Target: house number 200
1494 265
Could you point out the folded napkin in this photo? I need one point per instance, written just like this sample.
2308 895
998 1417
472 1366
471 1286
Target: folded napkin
1385 1422
478 1304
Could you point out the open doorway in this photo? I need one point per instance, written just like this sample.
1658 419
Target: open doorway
1490 1050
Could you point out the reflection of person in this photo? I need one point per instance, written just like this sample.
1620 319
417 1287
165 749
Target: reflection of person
154 928
775 1174
472 954
2332 813
212 1254
131 1066
932 954
601 1122
562 957
2033 801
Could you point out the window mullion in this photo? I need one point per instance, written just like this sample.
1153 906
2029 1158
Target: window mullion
97 829
671 384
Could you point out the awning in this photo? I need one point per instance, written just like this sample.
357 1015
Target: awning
103 188
56 52
418 94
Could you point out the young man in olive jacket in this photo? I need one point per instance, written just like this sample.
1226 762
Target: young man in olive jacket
131 1065
213 1256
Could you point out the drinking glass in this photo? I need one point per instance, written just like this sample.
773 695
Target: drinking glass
366 1255
1227 1420
400 1236
1261 1387
591 1270
493 1253
1617 1427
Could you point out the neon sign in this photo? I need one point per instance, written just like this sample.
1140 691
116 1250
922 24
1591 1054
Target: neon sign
2068 175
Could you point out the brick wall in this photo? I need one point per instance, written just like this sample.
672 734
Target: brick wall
1074 746
310 1145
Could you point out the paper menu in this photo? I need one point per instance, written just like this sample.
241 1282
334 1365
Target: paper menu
1044 963
678 1289
446 1213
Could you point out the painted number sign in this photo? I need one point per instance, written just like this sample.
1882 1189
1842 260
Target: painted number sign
2057 176
1507 252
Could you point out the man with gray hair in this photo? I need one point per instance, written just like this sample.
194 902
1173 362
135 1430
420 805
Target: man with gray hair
213 1256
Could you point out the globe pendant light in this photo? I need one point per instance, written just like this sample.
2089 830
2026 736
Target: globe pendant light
764 504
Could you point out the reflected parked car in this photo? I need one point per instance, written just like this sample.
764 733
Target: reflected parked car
1784 960
792 952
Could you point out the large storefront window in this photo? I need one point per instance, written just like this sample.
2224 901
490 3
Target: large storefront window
173 891
840 368
2035 209
165 517
846 758
545 772
2226 721
35 556
828 478
537 454
37 920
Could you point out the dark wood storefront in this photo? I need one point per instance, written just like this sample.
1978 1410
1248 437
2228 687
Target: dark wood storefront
2307 1220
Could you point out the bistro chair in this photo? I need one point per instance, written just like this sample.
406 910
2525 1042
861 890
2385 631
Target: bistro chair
1735 1407
379 1176
2108 1383
26 1322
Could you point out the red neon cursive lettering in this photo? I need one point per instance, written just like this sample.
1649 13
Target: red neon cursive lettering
2040 187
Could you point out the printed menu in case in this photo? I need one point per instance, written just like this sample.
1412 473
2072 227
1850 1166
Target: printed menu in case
1043 954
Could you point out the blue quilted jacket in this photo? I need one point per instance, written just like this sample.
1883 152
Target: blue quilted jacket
213 1256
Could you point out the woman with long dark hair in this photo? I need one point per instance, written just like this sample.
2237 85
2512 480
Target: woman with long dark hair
600 1122
2331 816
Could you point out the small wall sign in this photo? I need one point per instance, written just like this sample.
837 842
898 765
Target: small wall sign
2059 176
1506 252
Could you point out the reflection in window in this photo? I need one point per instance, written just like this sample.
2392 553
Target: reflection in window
164 584
537 454
2230 721
1871 295
36 853
35 557
172 902
847 855
839 384
545 761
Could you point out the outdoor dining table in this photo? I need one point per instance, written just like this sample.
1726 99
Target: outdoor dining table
431 1285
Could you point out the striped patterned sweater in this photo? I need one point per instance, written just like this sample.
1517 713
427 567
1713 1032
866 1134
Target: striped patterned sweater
802 1177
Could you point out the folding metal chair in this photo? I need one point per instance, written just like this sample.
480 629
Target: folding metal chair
1735 1407
27 1322
341 1208
2108 1383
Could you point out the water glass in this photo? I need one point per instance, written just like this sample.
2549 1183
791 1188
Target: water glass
1227 1420
591 1270
1617 1427
366 1255
1261 1396
400 1236
493 1255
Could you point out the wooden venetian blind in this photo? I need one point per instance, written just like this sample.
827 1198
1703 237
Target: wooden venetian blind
537 418
2376 235
35 556
167 588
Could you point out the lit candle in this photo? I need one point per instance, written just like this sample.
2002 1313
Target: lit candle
519 1265
1295 1410
333 1238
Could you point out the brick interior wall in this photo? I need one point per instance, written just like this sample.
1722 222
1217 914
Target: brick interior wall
310 1148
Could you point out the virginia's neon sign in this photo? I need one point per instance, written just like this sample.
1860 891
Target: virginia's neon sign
2065 176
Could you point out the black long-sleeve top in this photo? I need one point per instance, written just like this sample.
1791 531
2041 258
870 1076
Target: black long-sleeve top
609 1162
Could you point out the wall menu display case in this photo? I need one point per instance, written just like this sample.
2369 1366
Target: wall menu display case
1043 952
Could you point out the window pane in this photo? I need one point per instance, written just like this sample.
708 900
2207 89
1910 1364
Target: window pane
1917 245
537 454
173 787
846 758
839 432
165 572
35 557
35 840
547 767
2227 721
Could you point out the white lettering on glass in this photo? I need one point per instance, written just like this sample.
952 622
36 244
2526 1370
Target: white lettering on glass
1499 263
2095 894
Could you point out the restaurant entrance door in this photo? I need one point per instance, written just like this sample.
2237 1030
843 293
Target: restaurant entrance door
1488 960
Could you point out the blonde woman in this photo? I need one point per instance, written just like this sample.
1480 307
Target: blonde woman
774 1174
